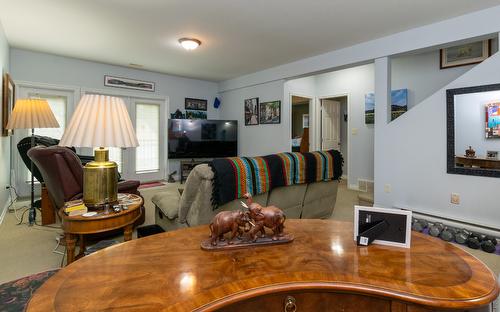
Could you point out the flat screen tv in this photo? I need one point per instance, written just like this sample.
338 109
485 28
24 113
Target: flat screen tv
202 138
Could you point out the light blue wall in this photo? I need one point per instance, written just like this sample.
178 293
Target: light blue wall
261 139
410 155
52 69
57 70
4 141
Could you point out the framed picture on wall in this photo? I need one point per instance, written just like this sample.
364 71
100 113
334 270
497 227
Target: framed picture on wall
8 100
399 105
126 83
465 54
305 121
252 112
270 112
195 104
493 120
370 108
195 114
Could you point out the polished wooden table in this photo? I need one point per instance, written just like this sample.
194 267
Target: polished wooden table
322 270
102 222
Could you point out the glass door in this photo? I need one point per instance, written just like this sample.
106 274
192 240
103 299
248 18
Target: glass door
149 158
147 161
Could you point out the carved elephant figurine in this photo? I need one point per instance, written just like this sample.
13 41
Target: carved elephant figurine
227 221
271 217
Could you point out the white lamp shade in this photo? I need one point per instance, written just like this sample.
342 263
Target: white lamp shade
31 114
100 121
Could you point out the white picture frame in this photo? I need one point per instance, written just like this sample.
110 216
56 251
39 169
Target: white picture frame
406 213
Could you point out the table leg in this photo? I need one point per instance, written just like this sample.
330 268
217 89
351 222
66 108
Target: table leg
82 248
127 232
70 248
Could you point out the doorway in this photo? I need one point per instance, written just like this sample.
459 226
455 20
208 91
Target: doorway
300 124
334 126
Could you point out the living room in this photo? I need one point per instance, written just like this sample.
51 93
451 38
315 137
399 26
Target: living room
227 73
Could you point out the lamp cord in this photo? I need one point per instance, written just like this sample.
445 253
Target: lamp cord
32 210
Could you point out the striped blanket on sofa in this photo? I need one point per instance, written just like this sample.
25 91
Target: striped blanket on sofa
235 176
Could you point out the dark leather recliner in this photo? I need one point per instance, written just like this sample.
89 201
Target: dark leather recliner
62 173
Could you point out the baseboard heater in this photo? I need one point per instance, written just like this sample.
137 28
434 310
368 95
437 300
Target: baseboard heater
455 223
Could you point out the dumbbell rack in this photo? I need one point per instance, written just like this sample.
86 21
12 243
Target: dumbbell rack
460 236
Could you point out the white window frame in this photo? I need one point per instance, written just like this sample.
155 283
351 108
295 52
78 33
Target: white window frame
23 89
128 155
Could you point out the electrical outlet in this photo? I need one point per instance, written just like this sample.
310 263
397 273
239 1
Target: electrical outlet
455 199
354 131
387 188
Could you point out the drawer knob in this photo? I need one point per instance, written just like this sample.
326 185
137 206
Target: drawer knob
290 305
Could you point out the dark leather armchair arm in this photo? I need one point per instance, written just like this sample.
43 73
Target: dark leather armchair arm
129 187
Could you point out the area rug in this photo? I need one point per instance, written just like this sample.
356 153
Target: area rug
151 184
14 295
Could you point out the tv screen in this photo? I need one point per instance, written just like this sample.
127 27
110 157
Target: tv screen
202 138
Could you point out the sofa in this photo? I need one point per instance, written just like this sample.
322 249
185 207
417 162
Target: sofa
174 210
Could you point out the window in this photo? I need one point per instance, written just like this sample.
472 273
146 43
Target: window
115 154
148 133
58 105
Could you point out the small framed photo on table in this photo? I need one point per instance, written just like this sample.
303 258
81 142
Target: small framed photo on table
383 226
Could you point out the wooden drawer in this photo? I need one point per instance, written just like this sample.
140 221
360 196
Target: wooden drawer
312 301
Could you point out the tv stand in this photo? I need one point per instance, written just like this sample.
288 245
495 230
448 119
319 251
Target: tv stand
186 167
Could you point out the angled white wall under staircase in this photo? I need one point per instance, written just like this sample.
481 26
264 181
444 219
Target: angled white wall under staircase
410 156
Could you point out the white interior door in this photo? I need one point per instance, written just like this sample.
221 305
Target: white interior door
330 124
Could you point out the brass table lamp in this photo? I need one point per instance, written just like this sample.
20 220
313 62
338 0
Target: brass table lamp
100 121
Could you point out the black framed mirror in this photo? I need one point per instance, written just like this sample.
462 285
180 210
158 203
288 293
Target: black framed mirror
473 130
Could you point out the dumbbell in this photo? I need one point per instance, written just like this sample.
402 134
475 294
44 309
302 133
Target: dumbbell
461 236
419 225
489 244
436 229
474 241
448 234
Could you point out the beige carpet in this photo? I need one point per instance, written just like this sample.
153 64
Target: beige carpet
27 250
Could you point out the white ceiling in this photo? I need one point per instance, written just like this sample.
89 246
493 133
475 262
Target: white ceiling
239 36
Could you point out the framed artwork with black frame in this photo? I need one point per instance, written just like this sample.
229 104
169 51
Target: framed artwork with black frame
195 104
471 122
251 111
270 113
127 83
8 101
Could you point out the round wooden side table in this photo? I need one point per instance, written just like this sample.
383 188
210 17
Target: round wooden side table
104 221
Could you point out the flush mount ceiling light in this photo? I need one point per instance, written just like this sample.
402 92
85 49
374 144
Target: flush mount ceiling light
189 43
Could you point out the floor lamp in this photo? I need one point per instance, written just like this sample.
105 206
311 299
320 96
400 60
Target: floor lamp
32 114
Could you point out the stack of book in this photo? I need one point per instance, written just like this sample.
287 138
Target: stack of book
75 208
